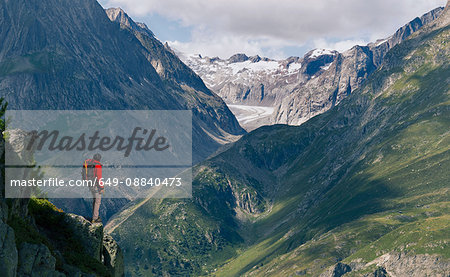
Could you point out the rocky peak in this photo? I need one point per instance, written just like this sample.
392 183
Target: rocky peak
255 59
117 14
120 16
414 25
211 60
381 46
443 18
144 26
293 59
314 61
238 58
319 52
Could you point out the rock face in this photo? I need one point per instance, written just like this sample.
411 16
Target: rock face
209 110
8 250
402 264
36 260
96 243
90 235
27 257
298 88
18 155
395 264
379 272
112 256
337 270
17 142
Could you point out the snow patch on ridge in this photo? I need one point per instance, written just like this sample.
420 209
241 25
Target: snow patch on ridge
319 52
258 66
326 67
379 42
293 67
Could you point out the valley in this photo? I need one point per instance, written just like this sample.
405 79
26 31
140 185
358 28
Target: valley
251 117
360 189
334 164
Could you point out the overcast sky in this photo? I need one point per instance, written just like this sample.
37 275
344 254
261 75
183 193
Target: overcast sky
271 28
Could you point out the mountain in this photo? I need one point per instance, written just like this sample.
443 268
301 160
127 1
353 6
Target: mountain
360 190
347 72
298 88
69 55
247 80
63 54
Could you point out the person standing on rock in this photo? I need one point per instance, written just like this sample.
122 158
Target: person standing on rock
92 171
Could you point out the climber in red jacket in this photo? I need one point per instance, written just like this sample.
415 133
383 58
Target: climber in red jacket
92 170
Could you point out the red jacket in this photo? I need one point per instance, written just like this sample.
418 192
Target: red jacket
97 171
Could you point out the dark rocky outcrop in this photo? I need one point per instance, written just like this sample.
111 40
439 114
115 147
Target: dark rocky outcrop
8 250
36 260
337 270
237 58
379 272
90 235
404 264
112 256
41 240
394 264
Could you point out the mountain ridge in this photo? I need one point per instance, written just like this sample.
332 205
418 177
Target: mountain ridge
316 82
360 183
61 54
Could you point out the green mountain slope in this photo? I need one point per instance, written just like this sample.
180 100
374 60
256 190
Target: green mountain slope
368 179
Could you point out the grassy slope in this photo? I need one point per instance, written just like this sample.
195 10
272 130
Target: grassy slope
388 189
363 179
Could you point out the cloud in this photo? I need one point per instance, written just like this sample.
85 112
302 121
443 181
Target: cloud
224 46
217 44
255 23
340 46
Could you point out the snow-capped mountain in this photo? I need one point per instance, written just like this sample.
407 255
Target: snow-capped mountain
298 88
247 80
